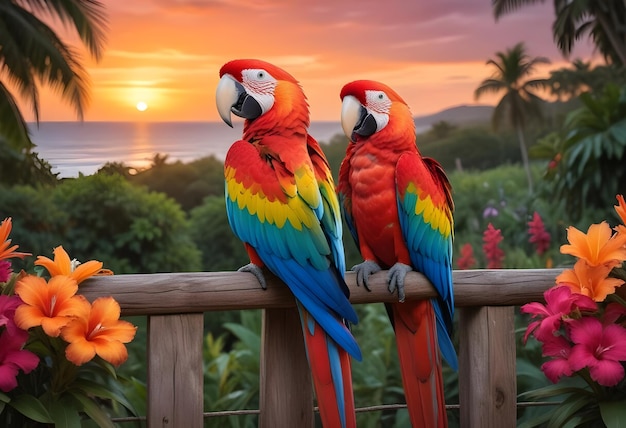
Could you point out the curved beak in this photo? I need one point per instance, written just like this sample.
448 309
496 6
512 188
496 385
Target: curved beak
355 119
231 97
226 96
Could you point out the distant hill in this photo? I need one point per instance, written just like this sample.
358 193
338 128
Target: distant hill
458 115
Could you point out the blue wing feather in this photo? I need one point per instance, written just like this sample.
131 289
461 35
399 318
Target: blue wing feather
430 249
309 260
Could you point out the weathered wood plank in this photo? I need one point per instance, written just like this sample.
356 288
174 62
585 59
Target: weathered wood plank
286 396
487 378
175 371
165 293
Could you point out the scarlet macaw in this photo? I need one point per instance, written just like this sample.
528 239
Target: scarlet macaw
398 206
281 202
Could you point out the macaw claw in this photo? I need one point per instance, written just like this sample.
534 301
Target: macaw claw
256 271
363 272
396 276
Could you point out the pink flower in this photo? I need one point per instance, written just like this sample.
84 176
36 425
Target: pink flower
559 349
467 260
599 347
538 234
560 303
494 254
13 358
8 304
5 270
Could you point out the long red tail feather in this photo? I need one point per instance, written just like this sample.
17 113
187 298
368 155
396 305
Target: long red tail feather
323 354
416 339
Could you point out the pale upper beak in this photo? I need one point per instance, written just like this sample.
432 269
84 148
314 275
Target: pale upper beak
226 96
350 115
356 120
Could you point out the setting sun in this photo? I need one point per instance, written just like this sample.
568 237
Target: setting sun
142 106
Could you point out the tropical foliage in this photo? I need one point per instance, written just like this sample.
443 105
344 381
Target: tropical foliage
519 104
33 53
603 21
103 217
582 331
587 158
58 351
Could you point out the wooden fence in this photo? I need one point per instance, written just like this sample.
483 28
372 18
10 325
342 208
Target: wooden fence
175 303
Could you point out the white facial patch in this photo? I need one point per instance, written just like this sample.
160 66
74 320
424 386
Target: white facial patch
260 85
378 105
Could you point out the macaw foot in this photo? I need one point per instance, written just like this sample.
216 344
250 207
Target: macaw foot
363 272
256 271
396 276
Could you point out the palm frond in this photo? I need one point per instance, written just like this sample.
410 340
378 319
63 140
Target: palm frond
48 59
87 17
488 86
503 7
13 128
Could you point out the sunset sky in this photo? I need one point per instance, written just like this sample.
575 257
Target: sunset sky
167 53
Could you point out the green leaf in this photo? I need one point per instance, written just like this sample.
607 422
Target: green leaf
92 388
613 413
568 409
32 408
94 411
4 398
66 413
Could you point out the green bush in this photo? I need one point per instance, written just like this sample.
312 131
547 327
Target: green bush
102 217
186 183
221 249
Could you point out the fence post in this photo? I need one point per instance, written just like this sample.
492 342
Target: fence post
487 378
286 396
175 371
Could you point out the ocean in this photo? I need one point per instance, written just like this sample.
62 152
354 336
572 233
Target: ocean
83 147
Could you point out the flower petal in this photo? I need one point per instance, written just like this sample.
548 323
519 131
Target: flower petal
80 352
114 352
556 368
28 316
607 372
86 270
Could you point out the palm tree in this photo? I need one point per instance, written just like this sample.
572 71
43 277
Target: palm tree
602 20
519 103
31 52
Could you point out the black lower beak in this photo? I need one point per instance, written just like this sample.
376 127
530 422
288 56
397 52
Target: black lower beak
366 125
246 106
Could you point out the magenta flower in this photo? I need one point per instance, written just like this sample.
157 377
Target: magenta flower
8 304
560 302
467 260
13 358
491 242
559 349
599 347
538 234
5 270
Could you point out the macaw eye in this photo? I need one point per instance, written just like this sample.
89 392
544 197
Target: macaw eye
381 96
260 75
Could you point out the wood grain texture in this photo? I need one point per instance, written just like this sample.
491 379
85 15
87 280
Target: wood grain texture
286 395
487 377
175 371
170 293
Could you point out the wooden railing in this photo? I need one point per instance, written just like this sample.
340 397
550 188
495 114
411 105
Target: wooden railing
175 304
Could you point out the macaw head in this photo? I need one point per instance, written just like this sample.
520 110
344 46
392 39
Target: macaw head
369 107
250 88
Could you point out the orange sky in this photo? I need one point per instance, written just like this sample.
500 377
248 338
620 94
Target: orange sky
167 53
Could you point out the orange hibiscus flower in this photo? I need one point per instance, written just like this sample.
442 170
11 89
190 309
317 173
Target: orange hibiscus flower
99 332
592 281
6 251
598 246
620 209
48 304
62 265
